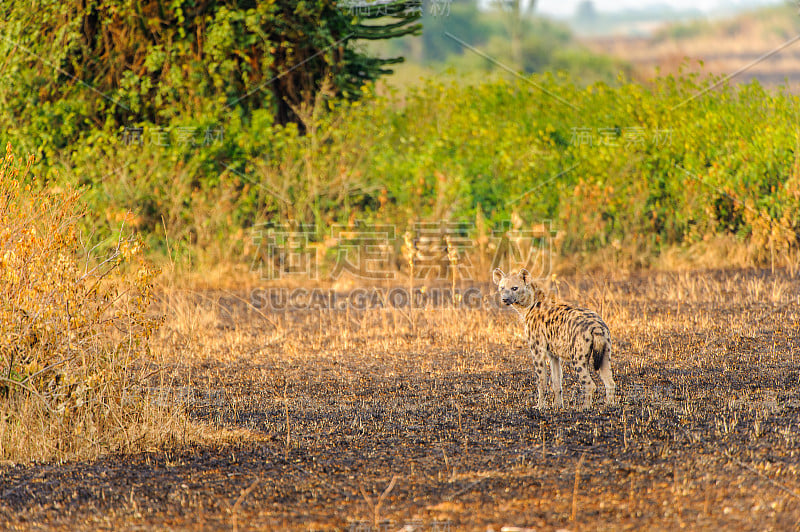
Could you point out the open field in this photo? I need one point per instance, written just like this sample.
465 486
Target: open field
760 45
331 406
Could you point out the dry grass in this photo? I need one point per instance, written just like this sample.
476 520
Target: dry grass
77 376
74 329
331 407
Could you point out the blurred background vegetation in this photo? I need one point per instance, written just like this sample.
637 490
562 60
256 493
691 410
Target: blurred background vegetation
197 122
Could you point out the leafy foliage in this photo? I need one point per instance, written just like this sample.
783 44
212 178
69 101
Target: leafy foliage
632 168
624 166
110 64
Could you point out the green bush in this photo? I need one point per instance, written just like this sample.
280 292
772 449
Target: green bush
634 167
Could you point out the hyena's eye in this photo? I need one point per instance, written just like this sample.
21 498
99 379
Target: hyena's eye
514 288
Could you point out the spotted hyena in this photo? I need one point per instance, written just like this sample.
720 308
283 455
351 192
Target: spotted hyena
556 331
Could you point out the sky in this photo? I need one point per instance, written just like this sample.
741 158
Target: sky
563 8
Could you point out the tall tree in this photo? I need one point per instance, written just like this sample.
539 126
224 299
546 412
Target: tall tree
79 65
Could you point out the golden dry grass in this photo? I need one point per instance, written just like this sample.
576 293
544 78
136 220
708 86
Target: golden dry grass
74 327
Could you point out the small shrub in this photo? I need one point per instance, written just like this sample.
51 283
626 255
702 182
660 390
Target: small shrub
74 329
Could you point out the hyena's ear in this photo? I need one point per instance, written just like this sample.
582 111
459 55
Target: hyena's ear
525 275
539 293
497 275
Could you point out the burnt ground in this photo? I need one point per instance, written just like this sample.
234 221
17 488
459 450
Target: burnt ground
705 435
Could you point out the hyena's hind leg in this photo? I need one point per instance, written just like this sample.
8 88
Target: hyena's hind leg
584 376
601 350
581 358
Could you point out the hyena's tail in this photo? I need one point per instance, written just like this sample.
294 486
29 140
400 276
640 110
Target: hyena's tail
600 349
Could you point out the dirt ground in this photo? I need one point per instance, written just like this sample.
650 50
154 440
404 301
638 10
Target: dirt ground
395 420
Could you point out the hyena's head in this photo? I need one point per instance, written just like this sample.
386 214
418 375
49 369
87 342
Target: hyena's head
514 288
518 288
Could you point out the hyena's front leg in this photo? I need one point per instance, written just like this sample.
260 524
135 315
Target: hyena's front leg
555 379
539 353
